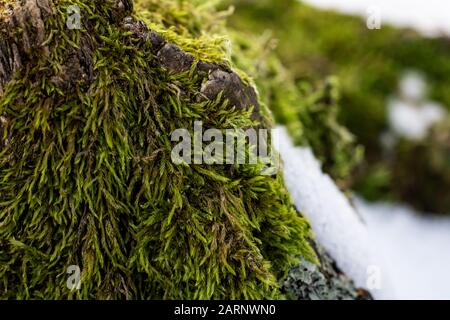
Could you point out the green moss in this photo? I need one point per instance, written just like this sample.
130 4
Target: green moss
86 176
310 113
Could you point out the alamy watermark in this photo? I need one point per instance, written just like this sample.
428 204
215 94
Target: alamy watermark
373 21
374 277
74 279
228 146
73 21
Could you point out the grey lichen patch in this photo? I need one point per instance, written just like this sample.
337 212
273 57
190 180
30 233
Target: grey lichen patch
307 281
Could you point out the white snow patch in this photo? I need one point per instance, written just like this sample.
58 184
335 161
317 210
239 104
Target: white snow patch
413 86
410 115
416 247
429 17
411 121
335 222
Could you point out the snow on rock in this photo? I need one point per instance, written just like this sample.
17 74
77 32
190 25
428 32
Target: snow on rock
335 222
416 247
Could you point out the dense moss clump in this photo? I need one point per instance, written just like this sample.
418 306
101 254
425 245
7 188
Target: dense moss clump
309 113
86 176
368 64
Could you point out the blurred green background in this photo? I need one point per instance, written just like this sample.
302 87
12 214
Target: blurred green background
310 45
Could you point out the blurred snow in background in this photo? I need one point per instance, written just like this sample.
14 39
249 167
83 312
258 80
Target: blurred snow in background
416 248
410 114
430 17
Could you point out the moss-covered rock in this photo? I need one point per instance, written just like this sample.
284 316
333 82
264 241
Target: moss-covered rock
86 176
310 113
